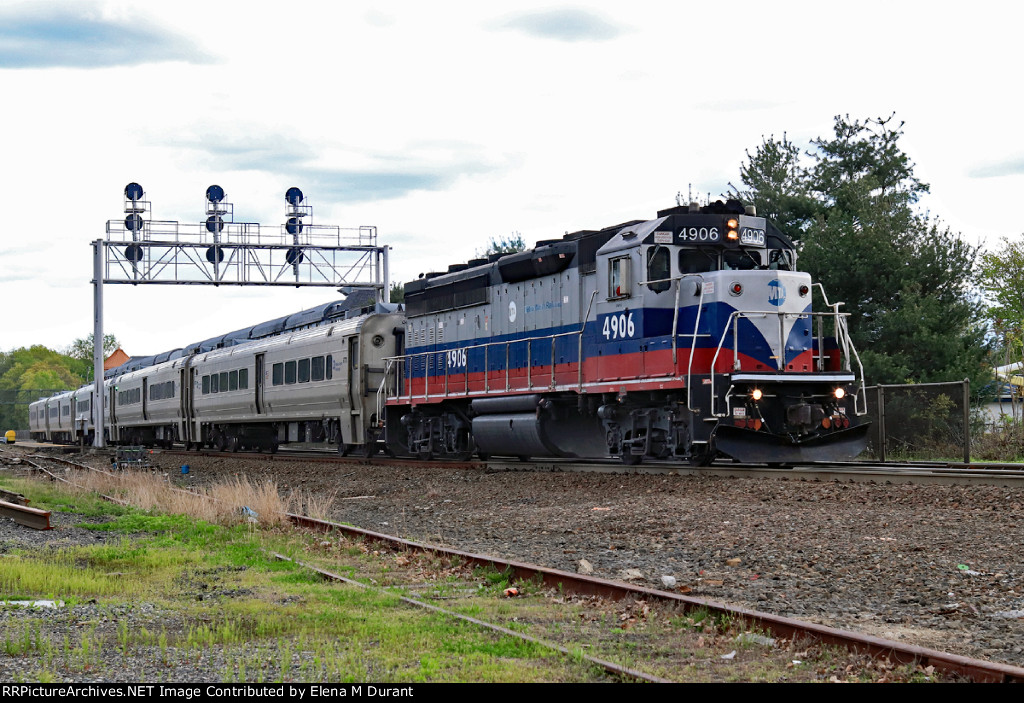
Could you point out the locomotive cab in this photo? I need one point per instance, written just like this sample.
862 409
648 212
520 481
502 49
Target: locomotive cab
711 296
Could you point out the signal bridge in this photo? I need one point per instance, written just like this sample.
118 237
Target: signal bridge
219 251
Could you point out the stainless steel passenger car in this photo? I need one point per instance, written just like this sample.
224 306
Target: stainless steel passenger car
312 386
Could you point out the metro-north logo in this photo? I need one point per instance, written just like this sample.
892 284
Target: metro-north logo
776 293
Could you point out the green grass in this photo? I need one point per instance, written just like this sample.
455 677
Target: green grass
200 593
50 496
212 588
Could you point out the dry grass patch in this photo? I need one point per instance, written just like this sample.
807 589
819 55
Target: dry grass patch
227 503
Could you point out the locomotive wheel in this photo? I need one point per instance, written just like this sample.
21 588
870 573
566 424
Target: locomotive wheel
631 459
703 457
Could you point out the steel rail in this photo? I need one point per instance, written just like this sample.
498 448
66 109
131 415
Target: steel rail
950 664
611 667
24 515
55 477
555 464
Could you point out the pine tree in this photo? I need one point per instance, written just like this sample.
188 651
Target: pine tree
905 279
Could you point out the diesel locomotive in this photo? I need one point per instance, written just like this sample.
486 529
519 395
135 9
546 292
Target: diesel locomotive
689 336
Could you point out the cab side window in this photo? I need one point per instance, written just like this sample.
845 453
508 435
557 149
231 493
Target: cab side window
618 278
659 269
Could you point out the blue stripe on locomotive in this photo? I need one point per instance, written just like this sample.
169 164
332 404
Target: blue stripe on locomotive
652 331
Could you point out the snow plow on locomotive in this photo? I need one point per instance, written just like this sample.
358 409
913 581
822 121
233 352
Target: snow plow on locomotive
689 336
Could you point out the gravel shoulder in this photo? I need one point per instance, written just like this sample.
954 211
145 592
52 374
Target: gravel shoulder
936 566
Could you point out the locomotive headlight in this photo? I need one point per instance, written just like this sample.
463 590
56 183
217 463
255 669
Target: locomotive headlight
804 290
732 225
756 394
840 393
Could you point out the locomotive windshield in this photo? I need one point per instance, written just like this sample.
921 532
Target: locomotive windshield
741 260
707 259
698 260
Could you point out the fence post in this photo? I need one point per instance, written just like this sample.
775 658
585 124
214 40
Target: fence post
967 421
881 422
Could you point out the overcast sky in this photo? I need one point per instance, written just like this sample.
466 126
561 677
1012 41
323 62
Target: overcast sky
445 124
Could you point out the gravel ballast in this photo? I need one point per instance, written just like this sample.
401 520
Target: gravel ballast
936 566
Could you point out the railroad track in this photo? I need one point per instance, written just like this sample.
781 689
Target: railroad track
948 664
952 473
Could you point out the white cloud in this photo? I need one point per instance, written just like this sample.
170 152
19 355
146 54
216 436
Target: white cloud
447 124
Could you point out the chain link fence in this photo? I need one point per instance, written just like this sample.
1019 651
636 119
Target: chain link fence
924 421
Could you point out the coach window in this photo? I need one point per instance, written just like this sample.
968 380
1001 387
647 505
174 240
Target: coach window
243 379
659 264
330 367
618 278
318 368
303 370
289 372
223 381
214 383
278 378
233 381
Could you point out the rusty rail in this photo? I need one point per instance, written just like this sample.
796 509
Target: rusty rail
24 515
950 664
610 667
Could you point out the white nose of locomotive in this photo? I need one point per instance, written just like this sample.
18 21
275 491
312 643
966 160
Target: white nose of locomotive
767 291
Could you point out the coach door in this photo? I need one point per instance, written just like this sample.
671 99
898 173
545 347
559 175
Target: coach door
114 436
183 433
191 426
354 389
259 384
145 399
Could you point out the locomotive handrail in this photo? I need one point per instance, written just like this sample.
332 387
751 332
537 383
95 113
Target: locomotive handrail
399 361
677 280
392 364
842 336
